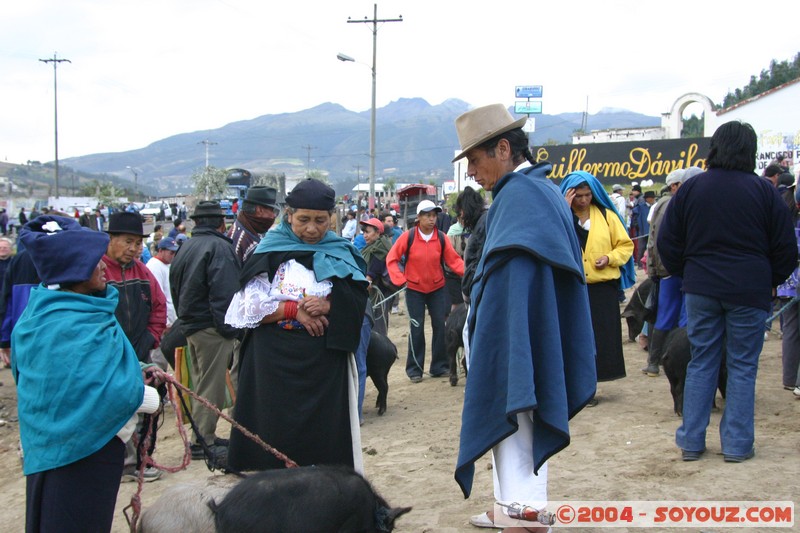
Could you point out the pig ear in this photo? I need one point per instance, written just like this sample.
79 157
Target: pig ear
388 516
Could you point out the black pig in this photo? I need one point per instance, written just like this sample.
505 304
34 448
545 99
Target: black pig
381 355
304 499
677 353
453 340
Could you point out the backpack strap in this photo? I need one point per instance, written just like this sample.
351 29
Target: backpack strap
413 231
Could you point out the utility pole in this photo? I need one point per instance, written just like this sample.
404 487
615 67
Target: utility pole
308 149
207 143
55 61
375 20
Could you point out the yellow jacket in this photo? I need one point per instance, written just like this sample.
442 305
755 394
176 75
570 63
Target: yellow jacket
607 236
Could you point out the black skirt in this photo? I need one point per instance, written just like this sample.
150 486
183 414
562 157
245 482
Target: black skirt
607 327
293 394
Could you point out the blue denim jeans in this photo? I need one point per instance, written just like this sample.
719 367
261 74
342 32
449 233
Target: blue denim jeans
716 328
361 360
437 305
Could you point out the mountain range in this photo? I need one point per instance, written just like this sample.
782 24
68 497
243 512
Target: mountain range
415 141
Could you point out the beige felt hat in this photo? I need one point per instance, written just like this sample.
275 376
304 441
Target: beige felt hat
483 123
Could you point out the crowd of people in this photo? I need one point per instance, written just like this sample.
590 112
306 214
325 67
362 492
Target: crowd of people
276 311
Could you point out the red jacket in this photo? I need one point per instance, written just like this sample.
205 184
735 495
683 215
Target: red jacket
423 268
142 307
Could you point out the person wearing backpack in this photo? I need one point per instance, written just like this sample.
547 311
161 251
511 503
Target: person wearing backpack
425 250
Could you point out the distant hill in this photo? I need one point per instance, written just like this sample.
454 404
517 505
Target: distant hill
414 142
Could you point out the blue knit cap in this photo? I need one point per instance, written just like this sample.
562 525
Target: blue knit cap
62 250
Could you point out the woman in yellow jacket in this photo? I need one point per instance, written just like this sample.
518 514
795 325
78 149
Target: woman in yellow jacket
607 251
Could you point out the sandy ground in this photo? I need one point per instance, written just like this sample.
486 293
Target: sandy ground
623 449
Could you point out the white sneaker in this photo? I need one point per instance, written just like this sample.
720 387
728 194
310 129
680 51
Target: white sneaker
481 520
132 474
766 336
796 392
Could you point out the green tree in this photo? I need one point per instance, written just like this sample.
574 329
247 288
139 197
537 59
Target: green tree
276 180
389 187
779 72
209 182
692 127
318 175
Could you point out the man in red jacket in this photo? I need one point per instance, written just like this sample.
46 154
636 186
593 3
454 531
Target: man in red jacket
142 311
425 250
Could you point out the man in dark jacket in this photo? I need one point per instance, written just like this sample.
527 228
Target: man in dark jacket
203 279
253 220
731 253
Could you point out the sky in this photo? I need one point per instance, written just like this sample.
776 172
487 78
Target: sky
144 70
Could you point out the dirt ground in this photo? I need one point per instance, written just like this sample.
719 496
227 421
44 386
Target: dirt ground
623 449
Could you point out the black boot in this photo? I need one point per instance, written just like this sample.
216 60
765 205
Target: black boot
656 350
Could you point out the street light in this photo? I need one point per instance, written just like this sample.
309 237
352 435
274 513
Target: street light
343 57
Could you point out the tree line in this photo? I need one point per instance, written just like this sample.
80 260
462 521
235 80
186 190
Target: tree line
779 72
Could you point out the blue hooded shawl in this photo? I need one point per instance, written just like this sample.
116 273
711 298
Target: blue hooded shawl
78 377
531 341
334 257
627 271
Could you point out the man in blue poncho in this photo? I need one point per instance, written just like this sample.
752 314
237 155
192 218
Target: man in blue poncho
531 345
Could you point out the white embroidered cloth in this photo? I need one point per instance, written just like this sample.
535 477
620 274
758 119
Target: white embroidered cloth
260 297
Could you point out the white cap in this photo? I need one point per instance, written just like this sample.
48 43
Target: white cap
426 205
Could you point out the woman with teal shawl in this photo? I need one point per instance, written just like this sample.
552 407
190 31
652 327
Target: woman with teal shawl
79 383
607 252
303 297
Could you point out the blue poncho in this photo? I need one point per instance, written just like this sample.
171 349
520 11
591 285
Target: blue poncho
627 271
78 378
531 340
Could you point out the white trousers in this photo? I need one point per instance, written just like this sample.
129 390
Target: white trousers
512 459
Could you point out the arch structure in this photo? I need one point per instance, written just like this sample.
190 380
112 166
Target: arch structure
672 122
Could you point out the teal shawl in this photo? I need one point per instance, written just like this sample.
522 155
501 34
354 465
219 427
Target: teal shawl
334 257
600 196
78 378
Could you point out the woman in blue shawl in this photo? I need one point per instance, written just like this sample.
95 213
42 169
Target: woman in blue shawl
607 263
303 297
75 414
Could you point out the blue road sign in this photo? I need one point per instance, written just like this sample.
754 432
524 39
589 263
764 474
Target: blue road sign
528 91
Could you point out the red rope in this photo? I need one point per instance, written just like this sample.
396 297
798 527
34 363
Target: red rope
172 384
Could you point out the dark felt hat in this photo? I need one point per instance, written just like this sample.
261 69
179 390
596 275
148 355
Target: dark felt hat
259 195
311 194
126 222
62 250
649 194
208 208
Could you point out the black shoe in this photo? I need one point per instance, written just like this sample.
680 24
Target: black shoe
221 442
415 379
739 458
593 402
197 451
688 455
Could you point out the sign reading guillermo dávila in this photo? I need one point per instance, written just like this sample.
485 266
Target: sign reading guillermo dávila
624 162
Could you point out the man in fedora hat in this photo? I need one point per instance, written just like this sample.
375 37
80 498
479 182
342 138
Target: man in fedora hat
142 310
203 279
258 212
533 369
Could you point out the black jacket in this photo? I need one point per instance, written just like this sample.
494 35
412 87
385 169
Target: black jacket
203 278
